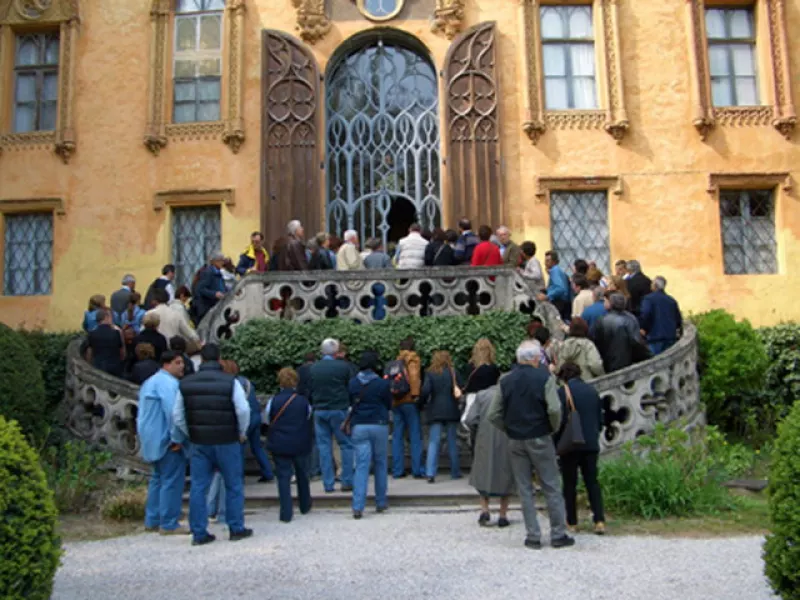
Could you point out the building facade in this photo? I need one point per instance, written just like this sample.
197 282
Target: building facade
137 133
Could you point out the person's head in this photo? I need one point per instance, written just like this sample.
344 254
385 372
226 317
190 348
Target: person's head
310 357
257 240
228 265
483 353
217 259
550 259
484 233
172 362
329 347
369 361
581 266
503 235
97 301
594 275
210 353
529 352
287 378
415 228
618 284
168 271
129 281
295 229
229 366
438 235
323 240
373 244
621 268
178 344
464 224
104 316
407 344
334 243
578 328
341 353
659 284
160 296
279 244
567 371
616 302
528 249
144 352
183 293
135 299
535 324
440 361
634 267
580 282
151 321
599 294
542 335
451 236
351 237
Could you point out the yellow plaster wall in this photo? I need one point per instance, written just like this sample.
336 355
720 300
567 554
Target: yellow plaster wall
665 218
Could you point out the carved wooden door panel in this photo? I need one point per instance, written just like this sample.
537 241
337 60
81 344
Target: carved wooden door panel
290 170
474 167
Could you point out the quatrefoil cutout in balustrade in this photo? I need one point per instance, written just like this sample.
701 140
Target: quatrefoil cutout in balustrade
332 302
426 300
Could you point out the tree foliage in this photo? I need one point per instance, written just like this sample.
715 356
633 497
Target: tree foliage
22 396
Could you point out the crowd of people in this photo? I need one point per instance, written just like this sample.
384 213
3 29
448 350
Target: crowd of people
330 418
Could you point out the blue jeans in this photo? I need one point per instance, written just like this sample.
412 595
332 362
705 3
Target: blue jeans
327 424
661 346
406 415
284 465
371 444
434 440
254 439
165 492
227 458
215 500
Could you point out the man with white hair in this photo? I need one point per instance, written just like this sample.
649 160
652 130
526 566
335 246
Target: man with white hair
120 299
527 408
639 286
330 396
293 256
511 253
661 319
411 249
348 258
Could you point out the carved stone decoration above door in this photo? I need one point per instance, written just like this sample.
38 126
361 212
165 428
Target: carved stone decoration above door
474 167
312 20
290 169
448 17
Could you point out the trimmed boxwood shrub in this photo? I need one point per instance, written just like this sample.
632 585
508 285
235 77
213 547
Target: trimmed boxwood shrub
29 548
262 347
21 387
50 349
782 386
782 548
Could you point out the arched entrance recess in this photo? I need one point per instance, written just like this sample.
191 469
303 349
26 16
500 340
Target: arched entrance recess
382 136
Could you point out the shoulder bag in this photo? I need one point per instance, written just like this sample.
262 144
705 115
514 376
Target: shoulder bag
282 410
347 424
572 436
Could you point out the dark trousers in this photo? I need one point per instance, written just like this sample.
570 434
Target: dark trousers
284 465
564 308
254 440
587 462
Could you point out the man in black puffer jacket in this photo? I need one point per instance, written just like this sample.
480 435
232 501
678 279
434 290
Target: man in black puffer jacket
211 409
617 336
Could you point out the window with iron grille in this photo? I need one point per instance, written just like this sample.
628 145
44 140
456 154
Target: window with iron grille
748 231
568 57
579 228
195 235
28 264
732 56
35 82
197 65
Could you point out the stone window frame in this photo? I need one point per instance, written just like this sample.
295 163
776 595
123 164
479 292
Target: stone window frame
195 197
39 15
613 185
772 59
160 128
611 116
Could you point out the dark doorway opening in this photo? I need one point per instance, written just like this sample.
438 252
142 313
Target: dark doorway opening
401 216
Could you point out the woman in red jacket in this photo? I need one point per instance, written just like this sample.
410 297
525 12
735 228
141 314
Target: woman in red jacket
486 253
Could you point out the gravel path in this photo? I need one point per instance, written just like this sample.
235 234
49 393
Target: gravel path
408 555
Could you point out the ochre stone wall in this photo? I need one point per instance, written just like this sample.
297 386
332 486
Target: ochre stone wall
665 217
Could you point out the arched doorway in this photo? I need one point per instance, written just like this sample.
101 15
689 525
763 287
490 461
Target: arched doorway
382 136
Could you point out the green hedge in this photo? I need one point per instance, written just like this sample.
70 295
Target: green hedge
782 548
29 548
262 347
22 395
782 381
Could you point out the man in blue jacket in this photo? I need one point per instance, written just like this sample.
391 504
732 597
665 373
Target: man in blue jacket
210 288
661 320
255 258
465 246
558 285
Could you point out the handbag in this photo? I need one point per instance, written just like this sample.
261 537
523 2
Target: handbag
457 393
281 411
572 436
347 424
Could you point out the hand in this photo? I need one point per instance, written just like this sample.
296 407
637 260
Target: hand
542 297
242 439
175 447
643 332
219 295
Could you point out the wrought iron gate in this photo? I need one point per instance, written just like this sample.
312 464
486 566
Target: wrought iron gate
382 138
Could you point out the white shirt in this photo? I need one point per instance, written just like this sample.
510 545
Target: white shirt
171 323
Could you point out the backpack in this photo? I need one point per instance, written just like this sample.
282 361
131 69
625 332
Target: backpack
397 375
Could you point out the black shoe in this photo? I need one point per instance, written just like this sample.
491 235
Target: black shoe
381 509
403 476
431 479
533 544
263 479
347 488
503 522
357 514
484 519
562 542
203 541
240 535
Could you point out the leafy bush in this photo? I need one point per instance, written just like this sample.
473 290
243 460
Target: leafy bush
21 387
29 548
262 347
782 389
74 473
732 364
125 505
670 473
782 548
